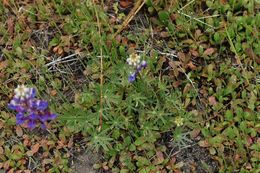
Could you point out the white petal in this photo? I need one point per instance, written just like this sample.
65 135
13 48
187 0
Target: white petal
13 102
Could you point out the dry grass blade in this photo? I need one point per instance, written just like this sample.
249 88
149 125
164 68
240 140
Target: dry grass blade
139 4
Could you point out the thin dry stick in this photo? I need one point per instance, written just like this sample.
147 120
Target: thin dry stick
192 83
192 18
177 152
101 71
186 5
139 4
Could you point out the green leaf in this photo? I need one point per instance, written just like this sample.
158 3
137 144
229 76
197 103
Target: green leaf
229 115
142 161
144 170
164 16
252 101
132 147
230 132
149 3
116 134
124 171
139 141
127 141
217 38
122 50
218 139
54 42
171 27
19 51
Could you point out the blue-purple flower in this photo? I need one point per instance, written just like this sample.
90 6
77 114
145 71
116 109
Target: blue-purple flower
30 111
132 77
134 60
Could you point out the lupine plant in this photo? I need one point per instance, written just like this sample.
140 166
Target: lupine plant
134 60
30 111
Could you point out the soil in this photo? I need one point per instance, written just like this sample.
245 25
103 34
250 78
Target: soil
84 163
192 157
197 159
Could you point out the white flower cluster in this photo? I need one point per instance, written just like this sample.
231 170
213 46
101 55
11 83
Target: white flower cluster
179 121
134 60
23 92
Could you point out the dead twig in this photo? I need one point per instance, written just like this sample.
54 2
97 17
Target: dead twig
139 4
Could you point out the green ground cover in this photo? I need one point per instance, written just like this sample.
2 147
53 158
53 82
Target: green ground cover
194 108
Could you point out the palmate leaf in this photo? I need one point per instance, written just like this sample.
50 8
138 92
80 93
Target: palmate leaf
73 113
77 118
100 140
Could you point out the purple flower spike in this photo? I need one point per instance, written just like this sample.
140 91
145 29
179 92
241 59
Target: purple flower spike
43 126
135 62
41 105
143 64
31 93
32 104
20 109
33 116
132 77
20 118
31 111
52 116
13 104
31 124
43 118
